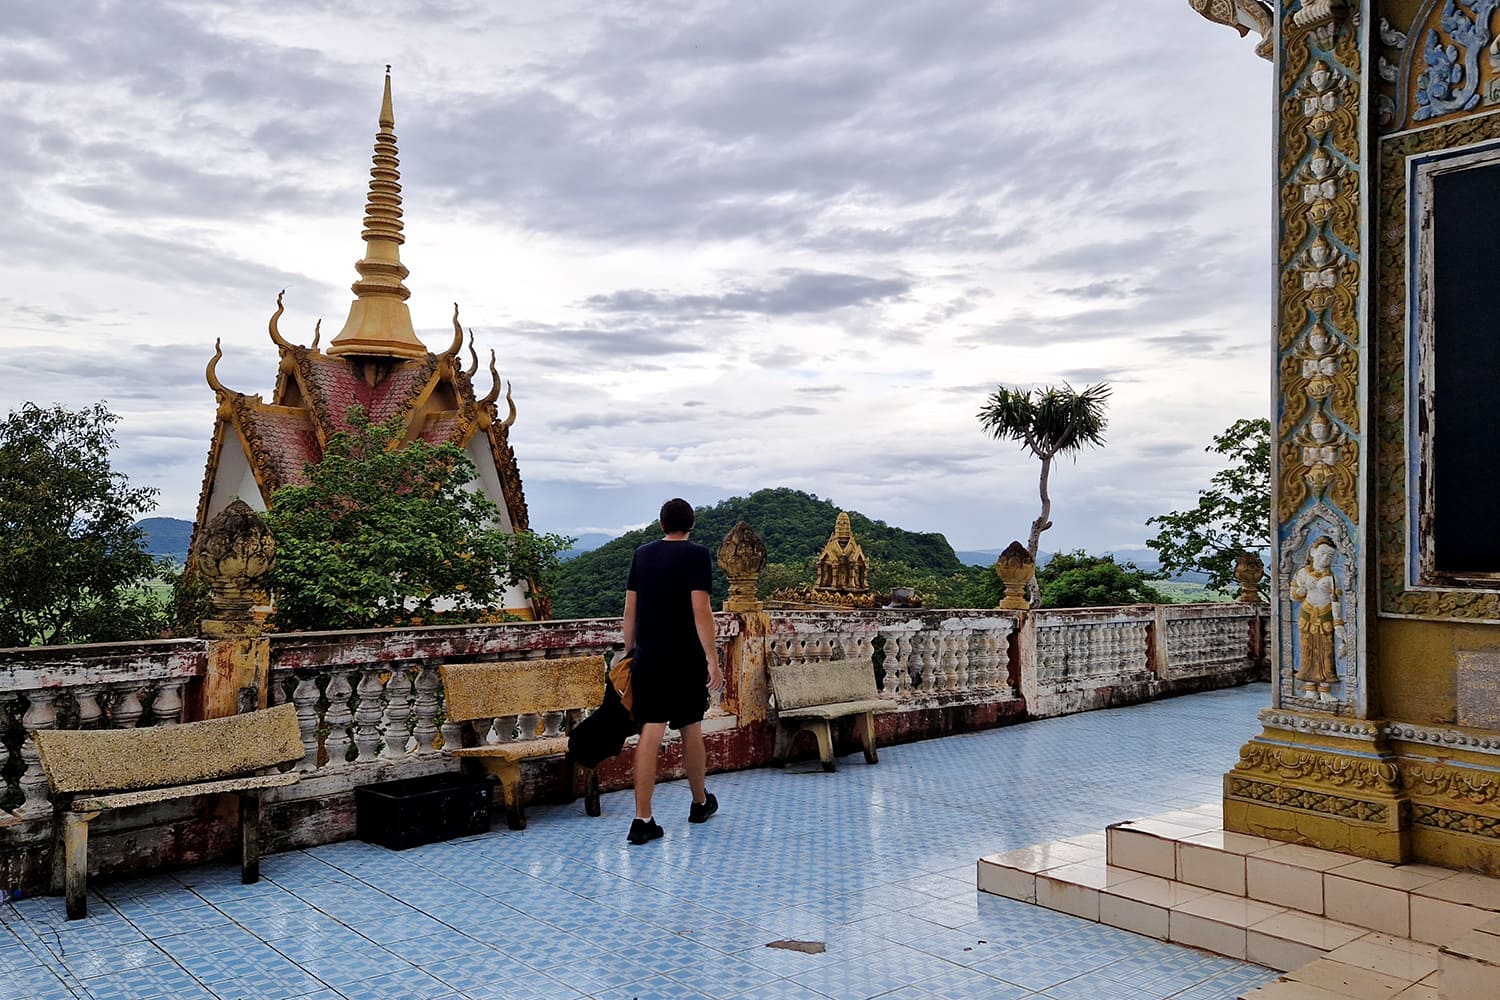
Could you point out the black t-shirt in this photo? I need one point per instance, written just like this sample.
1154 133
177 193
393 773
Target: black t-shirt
664 575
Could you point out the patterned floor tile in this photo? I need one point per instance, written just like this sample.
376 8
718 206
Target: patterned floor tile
874 863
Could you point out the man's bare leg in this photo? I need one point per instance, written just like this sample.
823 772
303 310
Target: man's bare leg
645 766
694 759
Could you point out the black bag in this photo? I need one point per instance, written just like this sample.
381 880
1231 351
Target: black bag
602 734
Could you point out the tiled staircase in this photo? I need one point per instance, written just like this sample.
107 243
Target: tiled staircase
1336 925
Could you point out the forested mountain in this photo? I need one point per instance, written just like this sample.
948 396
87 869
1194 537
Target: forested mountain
794 525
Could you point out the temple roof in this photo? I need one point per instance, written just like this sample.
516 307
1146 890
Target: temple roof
377 363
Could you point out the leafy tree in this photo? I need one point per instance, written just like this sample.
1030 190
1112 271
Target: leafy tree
70 553
1233 515
1079 580
1048 422
385 532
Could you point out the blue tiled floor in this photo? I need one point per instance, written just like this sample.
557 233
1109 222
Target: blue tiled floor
876 862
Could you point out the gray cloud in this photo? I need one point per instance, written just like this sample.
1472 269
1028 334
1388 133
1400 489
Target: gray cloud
796 292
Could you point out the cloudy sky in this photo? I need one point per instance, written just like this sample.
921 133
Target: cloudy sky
716 246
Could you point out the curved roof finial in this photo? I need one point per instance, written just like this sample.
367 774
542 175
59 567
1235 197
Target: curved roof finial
458 336
276 337
511 417
473 356
317 332
494 392
212 376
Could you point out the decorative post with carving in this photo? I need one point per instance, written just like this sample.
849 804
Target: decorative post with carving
1014 568
742 555
234 557
1248 570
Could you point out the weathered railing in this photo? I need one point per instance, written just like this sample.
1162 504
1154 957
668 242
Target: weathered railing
374 700
104 686
370 704
923 659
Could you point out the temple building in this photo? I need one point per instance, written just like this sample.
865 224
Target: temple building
376 361
1383 736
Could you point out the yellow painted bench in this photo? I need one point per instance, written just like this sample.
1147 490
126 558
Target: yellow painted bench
810 696
90 771
522 710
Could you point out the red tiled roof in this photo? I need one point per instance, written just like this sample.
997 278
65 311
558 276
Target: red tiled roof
338 386
441 428
283 440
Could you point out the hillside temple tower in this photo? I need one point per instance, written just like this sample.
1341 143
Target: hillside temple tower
376 361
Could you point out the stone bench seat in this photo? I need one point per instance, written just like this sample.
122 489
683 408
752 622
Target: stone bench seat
97 770
839 710
124 800
811 696
547 746
519 710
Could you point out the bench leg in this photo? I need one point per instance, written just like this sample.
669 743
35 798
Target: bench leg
76 860
510 788
589 778
866 726
785 734
250 837
824 734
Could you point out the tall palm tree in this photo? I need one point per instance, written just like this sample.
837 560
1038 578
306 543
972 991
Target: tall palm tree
1047 421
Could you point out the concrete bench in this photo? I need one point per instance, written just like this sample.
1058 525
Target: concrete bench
810 696
522 710
91 771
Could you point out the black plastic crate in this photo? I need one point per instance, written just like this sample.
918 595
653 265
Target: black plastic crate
414 811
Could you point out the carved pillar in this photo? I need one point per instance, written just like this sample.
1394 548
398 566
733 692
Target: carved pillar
236 554
1014 568
742 555
1322 772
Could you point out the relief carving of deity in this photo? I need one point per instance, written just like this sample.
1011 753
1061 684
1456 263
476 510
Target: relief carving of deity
1320 616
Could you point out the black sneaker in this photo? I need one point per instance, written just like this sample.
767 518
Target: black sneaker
642 830
700 812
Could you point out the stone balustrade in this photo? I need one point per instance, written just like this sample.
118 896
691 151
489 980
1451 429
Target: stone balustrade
370 703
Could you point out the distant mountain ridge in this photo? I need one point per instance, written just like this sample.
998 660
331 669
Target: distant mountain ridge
794 525
167 536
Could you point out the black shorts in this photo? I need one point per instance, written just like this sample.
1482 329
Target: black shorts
677 697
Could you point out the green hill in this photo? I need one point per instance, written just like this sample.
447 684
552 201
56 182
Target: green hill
794 525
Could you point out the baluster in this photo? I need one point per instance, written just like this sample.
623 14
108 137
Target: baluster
128 707
505 729
41 713
921 683
452 732
427 704
953 661
939 661
971 656
338 718
167 705
6 704
305 697
89 712
398 694
367 713
528 724
551 724
897 648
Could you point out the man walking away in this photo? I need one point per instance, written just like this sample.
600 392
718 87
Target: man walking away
670 625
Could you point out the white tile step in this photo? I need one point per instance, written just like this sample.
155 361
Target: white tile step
1337 925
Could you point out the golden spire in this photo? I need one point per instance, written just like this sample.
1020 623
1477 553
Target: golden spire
379 324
